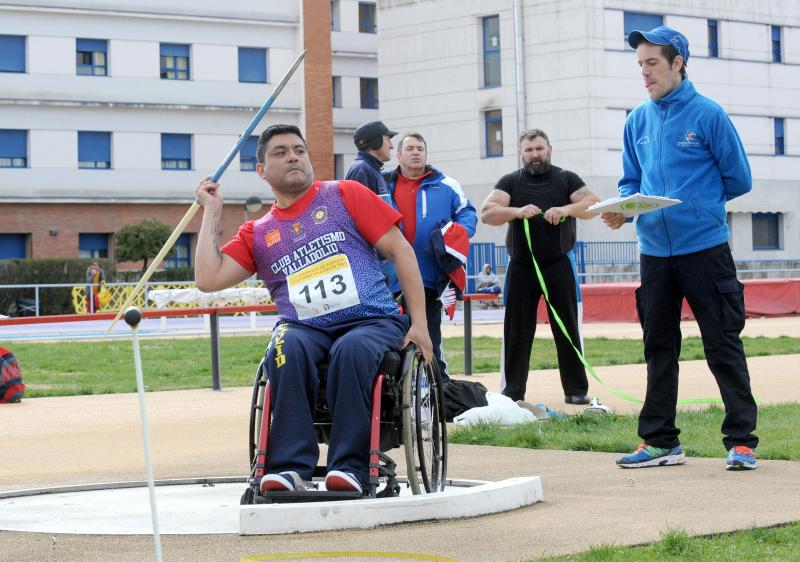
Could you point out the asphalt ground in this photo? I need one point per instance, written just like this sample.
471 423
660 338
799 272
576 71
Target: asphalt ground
588 500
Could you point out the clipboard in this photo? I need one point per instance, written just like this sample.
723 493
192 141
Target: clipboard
632 205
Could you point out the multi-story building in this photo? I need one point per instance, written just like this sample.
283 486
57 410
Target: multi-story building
470 75
112 111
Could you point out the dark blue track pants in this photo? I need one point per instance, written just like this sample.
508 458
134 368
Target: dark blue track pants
707 279
354 350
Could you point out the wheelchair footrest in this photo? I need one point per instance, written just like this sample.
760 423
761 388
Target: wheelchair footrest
280 496
385 464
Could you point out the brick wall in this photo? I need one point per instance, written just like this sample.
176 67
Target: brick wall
70 220
318 86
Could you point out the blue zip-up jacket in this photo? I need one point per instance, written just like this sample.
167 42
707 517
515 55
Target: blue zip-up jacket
439 199
683 146
366 170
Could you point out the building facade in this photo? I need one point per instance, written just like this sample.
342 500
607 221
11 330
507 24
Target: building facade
113 111
470 82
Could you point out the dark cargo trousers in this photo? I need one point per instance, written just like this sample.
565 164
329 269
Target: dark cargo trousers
707 279
354 350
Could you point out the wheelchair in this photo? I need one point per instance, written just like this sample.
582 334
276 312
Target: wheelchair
407 409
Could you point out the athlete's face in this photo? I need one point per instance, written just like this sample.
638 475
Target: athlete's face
660 77
536 154
286 165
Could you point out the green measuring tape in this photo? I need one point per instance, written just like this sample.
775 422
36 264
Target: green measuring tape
619 393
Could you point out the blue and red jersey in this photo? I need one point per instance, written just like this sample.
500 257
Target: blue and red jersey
317 256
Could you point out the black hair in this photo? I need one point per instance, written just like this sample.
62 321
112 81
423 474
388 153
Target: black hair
670 52
270 132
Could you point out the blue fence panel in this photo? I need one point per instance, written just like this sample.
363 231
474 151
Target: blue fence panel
480 253
586 254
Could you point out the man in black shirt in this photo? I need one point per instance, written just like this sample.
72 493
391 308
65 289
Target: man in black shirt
550 199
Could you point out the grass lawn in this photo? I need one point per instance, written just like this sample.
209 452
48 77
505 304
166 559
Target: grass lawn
777 543
69 368
700 436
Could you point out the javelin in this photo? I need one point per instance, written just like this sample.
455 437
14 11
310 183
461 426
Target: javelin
215 178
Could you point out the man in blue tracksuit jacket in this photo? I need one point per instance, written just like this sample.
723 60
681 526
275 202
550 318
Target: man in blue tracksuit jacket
427 199
682 145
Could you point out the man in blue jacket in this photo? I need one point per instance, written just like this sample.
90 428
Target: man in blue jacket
374 143
427 199
682 145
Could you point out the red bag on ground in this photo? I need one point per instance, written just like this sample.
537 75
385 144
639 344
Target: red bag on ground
11 387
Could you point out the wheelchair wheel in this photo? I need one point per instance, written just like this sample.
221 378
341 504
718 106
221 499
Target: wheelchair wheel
256 412
424 425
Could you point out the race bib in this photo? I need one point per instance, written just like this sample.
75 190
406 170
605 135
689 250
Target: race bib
322 288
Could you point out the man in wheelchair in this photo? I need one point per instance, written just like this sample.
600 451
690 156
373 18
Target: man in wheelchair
316 252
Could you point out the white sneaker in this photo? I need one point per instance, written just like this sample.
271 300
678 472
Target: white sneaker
285 481
339 481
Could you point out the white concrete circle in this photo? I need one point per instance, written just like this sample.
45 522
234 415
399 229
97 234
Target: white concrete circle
211 506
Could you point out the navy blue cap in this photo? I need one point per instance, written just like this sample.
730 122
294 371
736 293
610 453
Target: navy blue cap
662 35
368 132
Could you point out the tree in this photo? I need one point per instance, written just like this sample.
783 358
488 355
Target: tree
141 241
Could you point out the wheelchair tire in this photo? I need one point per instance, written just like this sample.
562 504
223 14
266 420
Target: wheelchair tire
256 411
424 425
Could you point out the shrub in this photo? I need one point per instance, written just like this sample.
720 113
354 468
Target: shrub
55 300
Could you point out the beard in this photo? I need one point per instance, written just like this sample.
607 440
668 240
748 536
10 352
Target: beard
538 167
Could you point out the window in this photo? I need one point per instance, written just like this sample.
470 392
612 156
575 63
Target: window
766 231
252 65
335 15
13 246
366 18
90 57
174 61
247 155
338 166
776 43
643 22
779 150
337 91
13 148
491 51
94 150
180 256
12 53
92 245
493 124
176 152
713 39
369 93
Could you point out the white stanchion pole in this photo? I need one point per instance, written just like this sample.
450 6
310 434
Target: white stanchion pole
132 318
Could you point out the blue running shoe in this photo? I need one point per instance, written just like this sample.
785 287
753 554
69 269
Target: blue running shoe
646 455
741 458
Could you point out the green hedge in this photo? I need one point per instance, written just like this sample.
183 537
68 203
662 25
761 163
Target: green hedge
54 300
58 300
174 274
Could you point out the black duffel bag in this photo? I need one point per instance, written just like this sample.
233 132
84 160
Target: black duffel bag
461 395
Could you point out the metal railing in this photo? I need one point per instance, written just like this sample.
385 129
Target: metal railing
612 262
119 292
